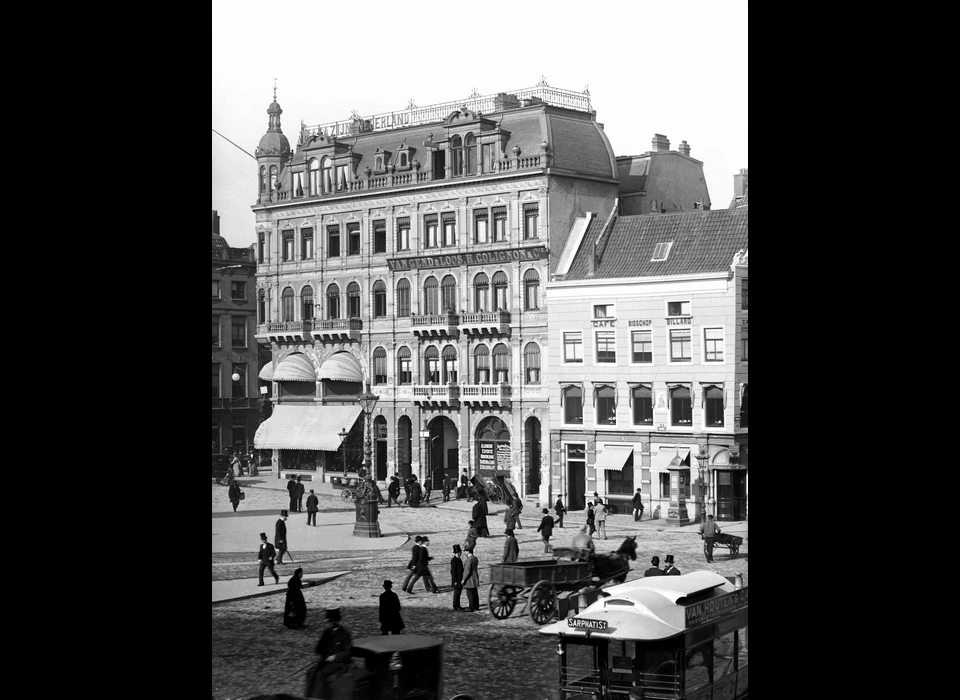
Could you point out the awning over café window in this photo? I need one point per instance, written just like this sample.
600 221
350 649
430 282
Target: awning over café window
341 367
295 368
660 460
305 427
614 457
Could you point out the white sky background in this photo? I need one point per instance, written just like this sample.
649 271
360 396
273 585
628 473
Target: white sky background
675 68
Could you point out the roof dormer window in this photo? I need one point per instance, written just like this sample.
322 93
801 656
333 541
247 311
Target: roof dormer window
661 252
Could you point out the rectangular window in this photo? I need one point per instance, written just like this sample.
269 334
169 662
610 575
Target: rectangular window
406 372
449 230
239 386
743 349
380 369
665 485
531 214
713 407
713 345
642 342
238 291
403 234
603 311
678 308
238 331
379 236
403 301
621 482
481 235
261 244
607 346
743 294
572 406
486 150
573 347
680 346
499 224
353 303
216 330
433 370
681 407
333 241
353 237
287 246
642 398
430 224
306 244
216 381
216 289
379 303
606 401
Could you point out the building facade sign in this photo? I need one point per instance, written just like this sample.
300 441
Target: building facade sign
494 256
714 608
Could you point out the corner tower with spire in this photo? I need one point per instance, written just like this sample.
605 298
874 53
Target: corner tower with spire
272 153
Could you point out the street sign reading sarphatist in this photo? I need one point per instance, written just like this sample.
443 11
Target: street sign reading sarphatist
586 623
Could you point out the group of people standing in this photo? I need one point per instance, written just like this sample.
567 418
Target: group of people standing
668 570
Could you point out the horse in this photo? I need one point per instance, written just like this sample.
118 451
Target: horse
614 566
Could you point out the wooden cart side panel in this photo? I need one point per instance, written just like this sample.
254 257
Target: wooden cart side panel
528 573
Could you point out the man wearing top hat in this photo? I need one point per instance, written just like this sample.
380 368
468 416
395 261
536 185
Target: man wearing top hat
655 569
265 555
456 576
280 536
670 569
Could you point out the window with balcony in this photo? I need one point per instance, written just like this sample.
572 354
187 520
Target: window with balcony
449 365
501 364
469 154
239 386
743 294
642 400
499 224
287 246
572 398
607 347
333 302
314 180
353 300
326 175
501 292
216 330
261 307
531 364
333 241
216 289
605 398
238 331
261 245
379 236
286 304
403 234
431 302
238 291
680 347
216 381
306 303
448 291
642 347
713 345
531 215
449 230
404 366
379 299
353 239
573 347
379 366
531 290
681 406
481 364
456 156
430 228
480 232
403 298
481 293
713 406
306 244
431 365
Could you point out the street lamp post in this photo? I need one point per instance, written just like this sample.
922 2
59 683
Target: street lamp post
343 443
702 460
368 510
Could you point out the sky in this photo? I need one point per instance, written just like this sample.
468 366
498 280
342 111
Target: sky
674 68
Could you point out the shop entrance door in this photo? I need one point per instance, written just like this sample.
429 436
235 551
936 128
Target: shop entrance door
731 494
576 477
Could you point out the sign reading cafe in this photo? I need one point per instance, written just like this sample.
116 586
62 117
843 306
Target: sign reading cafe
491 257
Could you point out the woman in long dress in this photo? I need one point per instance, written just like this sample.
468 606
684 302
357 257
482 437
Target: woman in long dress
295 611
480 515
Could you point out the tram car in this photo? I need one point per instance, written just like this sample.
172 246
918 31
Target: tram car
678 637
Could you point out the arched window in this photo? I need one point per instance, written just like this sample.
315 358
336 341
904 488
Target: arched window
287 305
481 364
605 398
306 303
404 370
379 366
531 290
403 159
326 175
353 300
449 293
449 365
681 406
263 178
378 165
273 178
531 364
572 398
379 299
481 293
431 365
314 177
403 298
501 292
333 302
456 156
470 155
501 364
261 307
430 301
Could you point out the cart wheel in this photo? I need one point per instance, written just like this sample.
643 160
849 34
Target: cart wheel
734 549
502 600
543 602
496 494
346 495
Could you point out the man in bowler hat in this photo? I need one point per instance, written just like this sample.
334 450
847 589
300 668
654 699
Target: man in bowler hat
313 505
280 537
265 556
655 569
670 569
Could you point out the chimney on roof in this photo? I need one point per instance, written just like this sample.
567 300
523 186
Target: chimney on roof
740 183
216 223
685 148
661 142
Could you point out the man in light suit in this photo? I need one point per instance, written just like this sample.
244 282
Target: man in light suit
471 581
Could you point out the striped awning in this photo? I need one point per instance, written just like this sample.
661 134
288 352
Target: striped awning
295 368
614 457
266 374
341 367
667 453
305 427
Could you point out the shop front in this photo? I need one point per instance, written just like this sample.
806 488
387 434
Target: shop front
310 438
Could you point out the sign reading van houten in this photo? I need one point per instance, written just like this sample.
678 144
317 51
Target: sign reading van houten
715 607
486 258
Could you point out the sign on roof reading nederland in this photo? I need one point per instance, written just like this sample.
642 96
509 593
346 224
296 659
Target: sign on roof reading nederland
715 607
493 256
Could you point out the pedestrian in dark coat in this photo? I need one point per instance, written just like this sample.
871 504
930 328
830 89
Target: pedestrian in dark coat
559 510
447 486
464 484
471 581
427 489
295 610
511 550
456 576
422 568
313 506
415 493
393 490
334 650
414 558
591 519
511 515
299 490
280 537
266 555
670 569
234 495
291 490
637 502
406 488
390 620
471 541
545 530
480 516
655 569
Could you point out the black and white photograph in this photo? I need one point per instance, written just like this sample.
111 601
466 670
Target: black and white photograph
480 351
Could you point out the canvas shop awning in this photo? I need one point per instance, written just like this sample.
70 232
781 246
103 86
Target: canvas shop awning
614 457
661 459
305 427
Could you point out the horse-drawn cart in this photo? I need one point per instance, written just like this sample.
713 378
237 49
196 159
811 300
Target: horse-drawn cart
724 541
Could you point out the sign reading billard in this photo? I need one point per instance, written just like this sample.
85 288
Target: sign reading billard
493 256
586 623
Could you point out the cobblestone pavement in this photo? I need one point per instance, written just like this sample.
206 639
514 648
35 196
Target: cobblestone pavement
253 653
